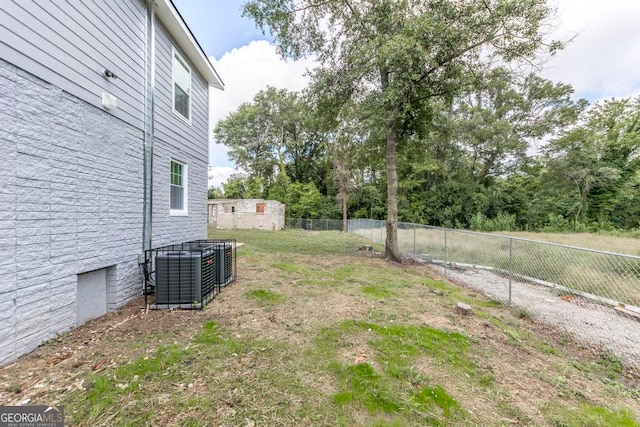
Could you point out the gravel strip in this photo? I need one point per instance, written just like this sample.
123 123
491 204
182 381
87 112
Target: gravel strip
588 322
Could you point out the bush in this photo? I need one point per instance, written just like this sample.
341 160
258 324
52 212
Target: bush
502 222
556 224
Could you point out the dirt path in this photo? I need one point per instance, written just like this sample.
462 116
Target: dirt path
588 322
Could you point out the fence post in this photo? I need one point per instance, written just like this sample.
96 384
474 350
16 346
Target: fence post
510 266
445 253
414 243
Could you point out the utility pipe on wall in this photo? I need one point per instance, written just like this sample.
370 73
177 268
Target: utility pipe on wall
150 73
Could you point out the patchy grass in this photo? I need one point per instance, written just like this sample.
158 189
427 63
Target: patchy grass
379 291
265 297
326 337
587 414
384 390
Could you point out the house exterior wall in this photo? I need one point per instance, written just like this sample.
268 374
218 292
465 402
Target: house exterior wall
186 143
192 138
71 181
228 214
73 44
70 204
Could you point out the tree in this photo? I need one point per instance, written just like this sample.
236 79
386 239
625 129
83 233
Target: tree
347 140
240 186
601 155
275 137
261 135
399 55
215 193
496 120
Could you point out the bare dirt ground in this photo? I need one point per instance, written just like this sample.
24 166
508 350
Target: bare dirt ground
59 366
525 378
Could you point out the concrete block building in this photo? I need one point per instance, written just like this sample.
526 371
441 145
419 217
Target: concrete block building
259 214
104 149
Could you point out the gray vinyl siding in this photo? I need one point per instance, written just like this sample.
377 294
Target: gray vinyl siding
169 128
178 140
69 44
175 229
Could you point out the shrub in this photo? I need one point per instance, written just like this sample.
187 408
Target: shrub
502 222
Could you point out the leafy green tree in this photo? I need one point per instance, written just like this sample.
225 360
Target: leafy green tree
400 54
304 200
240 186
495 122
215 193
598 160
272 136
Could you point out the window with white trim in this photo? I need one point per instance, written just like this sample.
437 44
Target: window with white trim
178 203
181 87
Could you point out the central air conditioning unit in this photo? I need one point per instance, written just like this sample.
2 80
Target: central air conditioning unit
178 277
189 274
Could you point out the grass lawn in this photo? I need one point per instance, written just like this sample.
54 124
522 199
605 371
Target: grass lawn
317 333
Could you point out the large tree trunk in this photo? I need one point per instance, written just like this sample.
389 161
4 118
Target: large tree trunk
392 252
345 223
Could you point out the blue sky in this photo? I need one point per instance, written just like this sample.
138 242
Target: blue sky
602 61
218 25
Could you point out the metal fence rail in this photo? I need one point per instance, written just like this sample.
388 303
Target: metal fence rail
606 277
579 290
314 224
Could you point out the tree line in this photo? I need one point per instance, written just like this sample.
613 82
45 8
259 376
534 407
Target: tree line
420 111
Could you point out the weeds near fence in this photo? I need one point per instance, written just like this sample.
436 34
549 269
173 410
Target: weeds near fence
608 277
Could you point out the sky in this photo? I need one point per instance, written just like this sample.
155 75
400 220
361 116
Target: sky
601 61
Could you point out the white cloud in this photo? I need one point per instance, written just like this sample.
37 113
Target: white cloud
604 58
245 71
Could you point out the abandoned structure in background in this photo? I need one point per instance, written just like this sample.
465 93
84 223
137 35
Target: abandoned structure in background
260 214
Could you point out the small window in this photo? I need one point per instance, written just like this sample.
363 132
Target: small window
181 87
260 208
178 179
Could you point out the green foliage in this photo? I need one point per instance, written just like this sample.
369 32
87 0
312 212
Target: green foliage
403 88
502 222
215 193
263 134
398 62
304 201
556 224
240 186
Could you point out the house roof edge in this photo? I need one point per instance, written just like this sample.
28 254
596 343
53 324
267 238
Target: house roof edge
178 28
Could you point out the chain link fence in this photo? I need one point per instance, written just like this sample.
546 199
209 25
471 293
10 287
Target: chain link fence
314 224
589 294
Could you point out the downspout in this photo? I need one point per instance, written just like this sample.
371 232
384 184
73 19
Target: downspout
150 74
